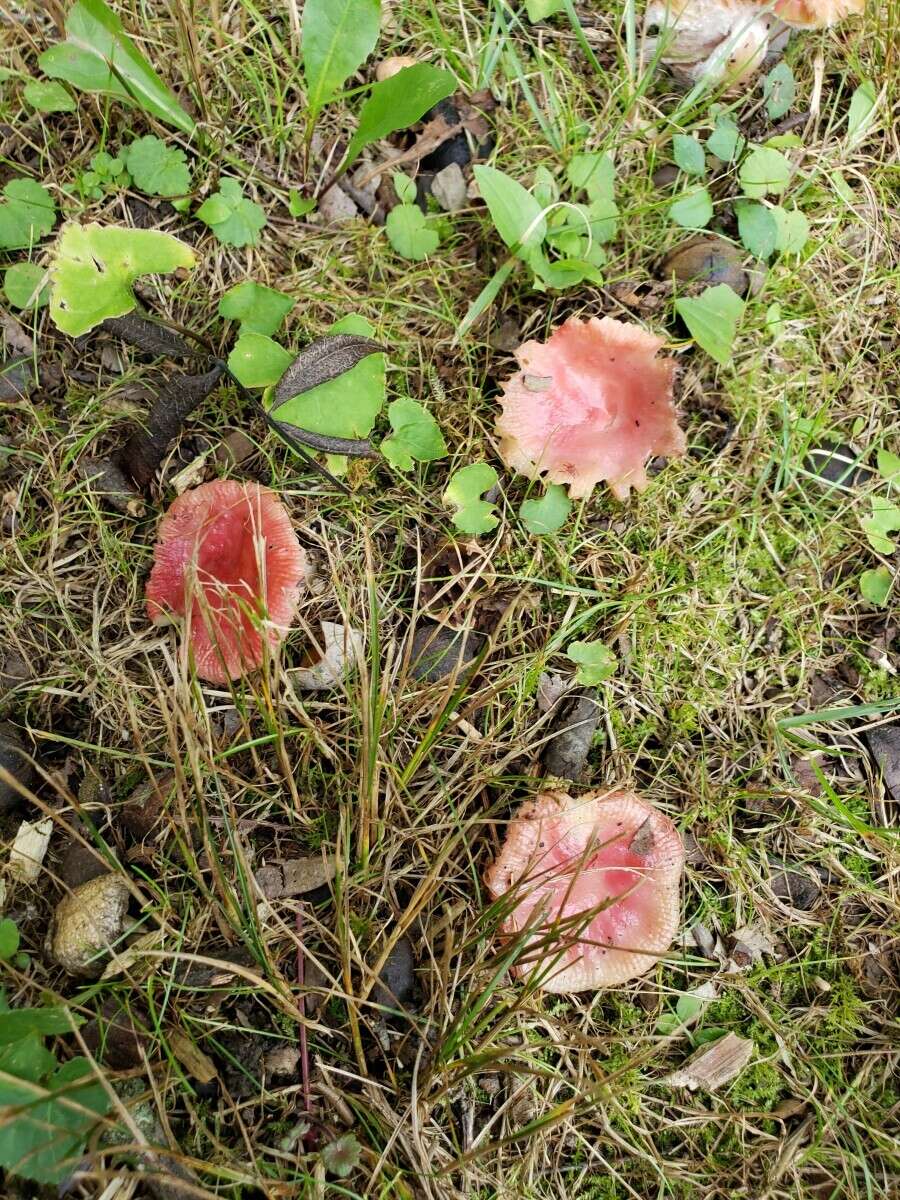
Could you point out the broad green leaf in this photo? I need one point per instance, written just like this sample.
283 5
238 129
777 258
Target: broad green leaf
547 514
539 10
545 189
158 169
235 220
26 214
404 187
345 407
888 467
516 214
764 170
784 141
595 662
48 96
603 220
757 227
397 103
688 154
875 585
17 1023
693 210
416 435
258 361
259 309
862 109
54 1114
594 174
338 36
725 141
299 206
473 515
9 938
410 234
94 267
712 319
98 56
792 228
779 90
565 272
885 519
22 285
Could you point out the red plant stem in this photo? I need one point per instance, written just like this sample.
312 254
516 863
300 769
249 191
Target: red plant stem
304 1049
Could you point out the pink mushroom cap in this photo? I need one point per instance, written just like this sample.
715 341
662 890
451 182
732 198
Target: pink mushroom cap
228 559
592 403
608 851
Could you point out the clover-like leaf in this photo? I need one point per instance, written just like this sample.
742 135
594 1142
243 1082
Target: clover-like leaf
158 169
779 90
885 519
792 229
547 514
410 234
464 492
405 187
26 214
594 174
764 170
888 465
416 435
725 141
757 227
22 283
594 660
258 361
94 266
342 1156
235 220
688 154
48 96
259 309
693 210
712 319
875 585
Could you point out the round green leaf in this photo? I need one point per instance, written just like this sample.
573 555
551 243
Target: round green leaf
547 514
693 210
257 361
688 154
48 96
409 233
22 285
764 170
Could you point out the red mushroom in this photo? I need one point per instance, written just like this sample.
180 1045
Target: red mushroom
594 883
227 559
593 402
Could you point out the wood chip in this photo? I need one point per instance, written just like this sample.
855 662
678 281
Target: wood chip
296 876
197 1064
714 1066
29 848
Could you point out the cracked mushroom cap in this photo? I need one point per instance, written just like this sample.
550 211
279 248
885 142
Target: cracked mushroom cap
227 559
592 403
596 882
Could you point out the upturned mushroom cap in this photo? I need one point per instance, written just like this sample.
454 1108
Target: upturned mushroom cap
693 32
227 559
609 858
592 403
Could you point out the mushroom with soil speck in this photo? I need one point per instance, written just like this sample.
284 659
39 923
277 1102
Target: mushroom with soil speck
227 560
592 403
593 883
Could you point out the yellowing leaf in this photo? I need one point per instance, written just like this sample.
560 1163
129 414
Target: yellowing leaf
94 267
